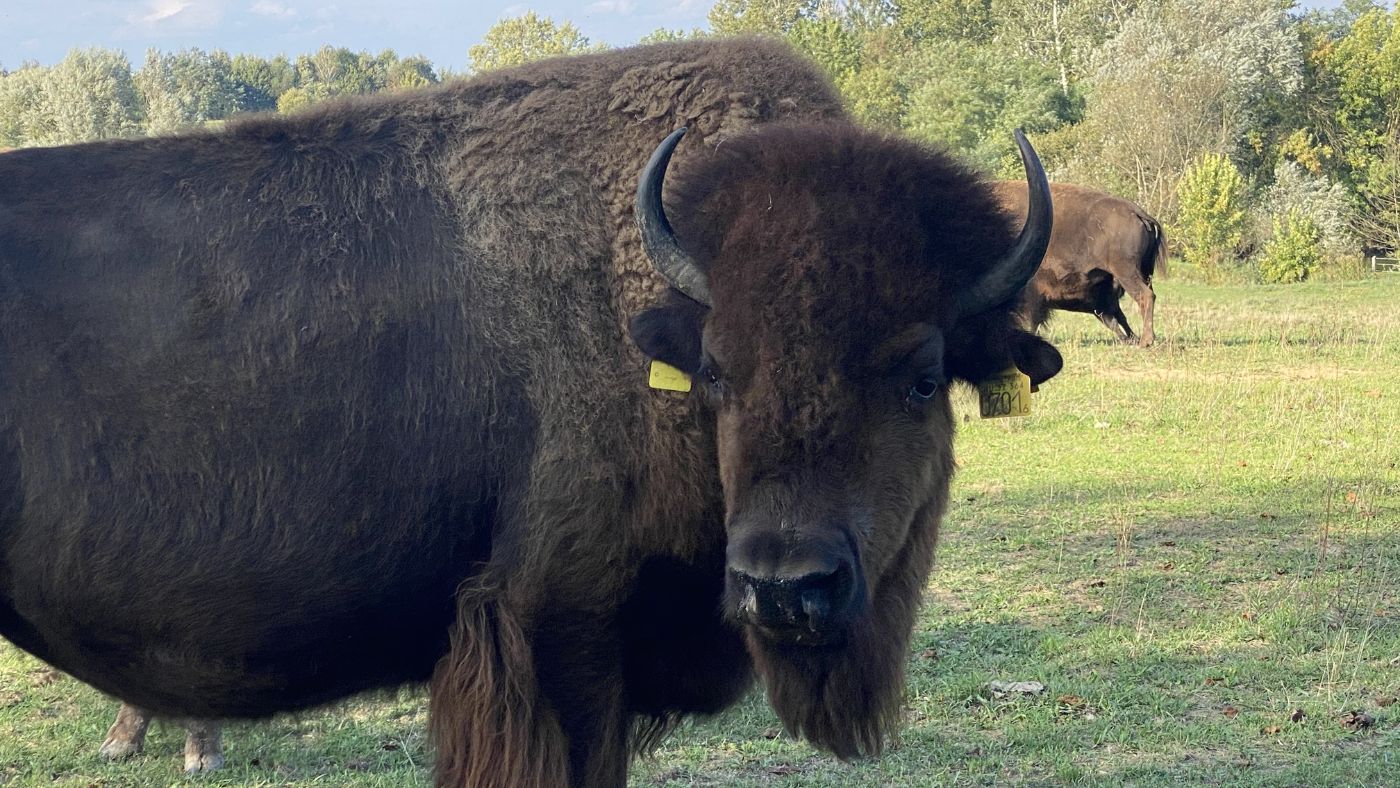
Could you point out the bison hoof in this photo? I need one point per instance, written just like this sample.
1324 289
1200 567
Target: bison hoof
116 748
203 762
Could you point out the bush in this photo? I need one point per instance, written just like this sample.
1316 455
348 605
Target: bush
1211 220
1295 251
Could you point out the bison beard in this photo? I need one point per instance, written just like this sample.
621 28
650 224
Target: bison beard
850 699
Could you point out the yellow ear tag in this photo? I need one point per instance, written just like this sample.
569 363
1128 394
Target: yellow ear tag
1007 394
665 376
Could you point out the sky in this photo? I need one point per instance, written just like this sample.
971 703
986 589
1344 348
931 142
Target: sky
441 30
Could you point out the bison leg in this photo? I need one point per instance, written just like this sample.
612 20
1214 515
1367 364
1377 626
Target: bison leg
1146 301
204 747
127 735
1113 318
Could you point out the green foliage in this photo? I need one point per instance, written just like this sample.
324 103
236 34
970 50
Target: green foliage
1211 223
970 98
1295 251
772 17
261 81
528 37
185 88
662 35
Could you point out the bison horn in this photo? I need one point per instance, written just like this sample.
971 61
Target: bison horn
658 239
1011 273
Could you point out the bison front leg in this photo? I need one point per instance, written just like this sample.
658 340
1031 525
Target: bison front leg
127 736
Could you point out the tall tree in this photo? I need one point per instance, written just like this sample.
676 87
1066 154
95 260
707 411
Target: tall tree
186 88
90 95
521 39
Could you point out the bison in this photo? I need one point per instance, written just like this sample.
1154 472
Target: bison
355 398
1102 246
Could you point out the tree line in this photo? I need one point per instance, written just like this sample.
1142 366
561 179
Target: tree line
1267 138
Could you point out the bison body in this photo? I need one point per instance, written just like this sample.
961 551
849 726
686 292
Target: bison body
1101 247
346 400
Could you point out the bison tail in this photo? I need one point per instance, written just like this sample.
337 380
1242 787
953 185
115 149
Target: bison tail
1155 259
488 723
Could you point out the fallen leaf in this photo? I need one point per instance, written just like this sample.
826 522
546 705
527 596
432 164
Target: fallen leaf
770 733
1357 720
1169 543
929 653
391 746
1298 715
1168 566
1385 701
1096 584
1267 516
1351 496
1244 464
1230 711
1271 730
1248 615
783 770
44 678
1211 681
1374 393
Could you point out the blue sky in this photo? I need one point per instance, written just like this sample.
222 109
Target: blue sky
442 30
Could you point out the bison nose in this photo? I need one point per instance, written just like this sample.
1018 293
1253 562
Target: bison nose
801 594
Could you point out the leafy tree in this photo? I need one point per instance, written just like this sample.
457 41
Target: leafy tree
24 115
773 17
89 95
1181 79
186 88
522 39
663 35
971 98
1211 223
260 82
964 21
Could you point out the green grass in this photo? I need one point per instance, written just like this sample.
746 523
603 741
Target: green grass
1184 544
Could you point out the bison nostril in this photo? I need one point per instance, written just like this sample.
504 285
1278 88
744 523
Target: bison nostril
816 603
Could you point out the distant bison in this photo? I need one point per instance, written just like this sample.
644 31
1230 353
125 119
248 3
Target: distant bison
354 398
1101 246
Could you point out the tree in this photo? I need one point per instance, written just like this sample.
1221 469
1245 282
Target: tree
260 82
185 88
24 110
773 17
971 97
522 39
1181 79
89 95
1212 219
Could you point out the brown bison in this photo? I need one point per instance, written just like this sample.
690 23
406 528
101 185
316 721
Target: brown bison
355 398
1102 246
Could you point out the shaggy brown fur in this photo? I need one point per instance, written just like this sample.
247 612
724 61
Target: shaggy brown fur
1101 246
345 400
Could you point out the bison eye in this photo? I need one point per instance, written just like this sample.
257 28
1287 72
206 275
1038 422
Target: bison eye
924 389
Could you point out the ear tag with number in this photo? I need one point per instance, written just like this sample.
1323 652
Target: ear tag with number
664 376
1007 394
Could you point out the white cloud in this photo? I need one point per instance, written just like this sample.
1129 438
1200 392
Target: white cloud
612 7
272 8
164 9
178 14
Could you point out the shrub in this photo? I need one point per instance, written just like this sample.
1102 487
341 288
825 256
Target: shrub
1211 220
1295 251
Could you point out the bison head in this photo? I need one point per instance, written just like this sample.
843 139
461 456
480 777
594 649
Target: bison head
829 285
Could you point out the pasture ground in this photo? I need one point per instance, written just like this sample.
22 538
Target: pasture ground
1194 548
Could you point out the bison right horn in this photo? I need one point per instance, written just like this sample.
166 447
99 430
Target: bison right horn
658 239
1011 273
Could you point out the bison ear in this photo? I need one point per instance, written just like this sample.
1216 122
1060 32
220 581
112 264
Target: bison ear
1039 359
979 349
671 332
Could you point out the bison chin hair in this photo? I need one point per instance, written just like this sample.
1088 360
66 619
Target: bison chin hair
849 699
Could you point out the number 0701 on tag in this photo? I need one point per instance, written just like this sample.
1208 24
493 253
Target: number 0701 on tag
1007 394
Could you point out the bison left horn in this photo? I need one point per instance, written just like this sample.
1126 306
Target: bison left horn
1011 273
658 239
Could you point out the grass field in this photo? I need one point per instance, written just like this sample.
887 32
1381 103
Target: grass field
1195 548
